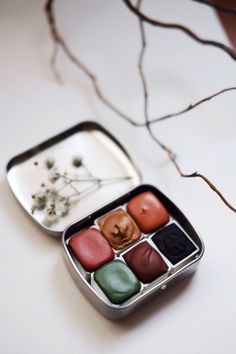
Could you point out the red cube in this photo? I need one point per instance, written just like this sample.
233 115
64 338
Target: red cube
91 249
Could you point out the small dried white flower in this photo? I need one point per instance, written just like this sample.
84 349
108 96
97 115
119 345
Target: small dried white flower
54 175
39 201
77 161
49 163
50 215
62 207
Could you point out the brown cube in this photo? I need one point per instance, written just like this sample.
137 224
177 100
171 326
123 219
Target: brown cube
119 229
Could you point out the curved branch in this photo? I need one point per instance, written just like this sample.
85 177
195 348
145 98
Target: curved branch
204 178
140 65
191 106
170 153
59 41
181 28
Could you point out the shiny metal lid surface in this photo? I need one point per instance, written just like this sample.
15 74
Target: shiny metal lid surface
74 173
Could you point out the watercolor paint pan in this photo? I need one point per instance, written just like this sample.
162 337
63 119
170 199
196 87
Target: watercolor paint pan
176 259
129 226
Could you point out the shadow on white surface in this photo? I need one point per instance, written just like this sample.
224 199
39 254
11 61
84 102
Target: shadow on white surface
79 311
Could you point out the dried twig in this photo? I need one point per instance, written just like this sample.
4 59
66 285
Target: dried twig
140 64
192 106
218 7
147 123
53 64
204 178
59 41
144 83
186 30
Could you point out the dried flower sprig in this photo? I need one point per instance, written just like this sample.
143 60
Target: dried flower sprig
62 190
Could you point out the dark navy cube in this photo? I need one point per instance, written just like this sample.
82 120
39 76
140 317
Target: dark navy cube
173 243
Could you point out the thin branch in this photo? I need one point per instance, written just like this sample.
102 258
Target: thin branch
140 64
219 7
192 106
186 30
144 82
59 41
53 64
173 159
147 123
204 178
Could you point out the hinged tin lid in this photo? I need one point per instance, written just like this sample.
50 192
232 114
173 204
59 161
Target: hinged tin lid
70 175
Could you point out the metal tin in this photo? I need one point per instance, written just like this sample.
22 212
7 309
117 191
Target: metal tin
85 281
107 159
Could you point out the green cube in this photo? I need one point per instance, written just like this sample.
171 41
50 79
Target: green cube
117 281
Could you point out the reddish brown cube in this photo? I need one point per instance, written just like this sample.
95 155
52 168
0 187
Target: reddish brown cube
148 212
145 262
91 249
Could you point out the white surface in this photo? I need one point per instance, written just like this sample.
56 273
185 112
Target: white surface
41 310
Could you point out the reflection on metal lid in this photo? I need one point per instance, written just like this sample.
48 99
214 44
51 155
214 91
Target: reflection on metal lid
70 175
